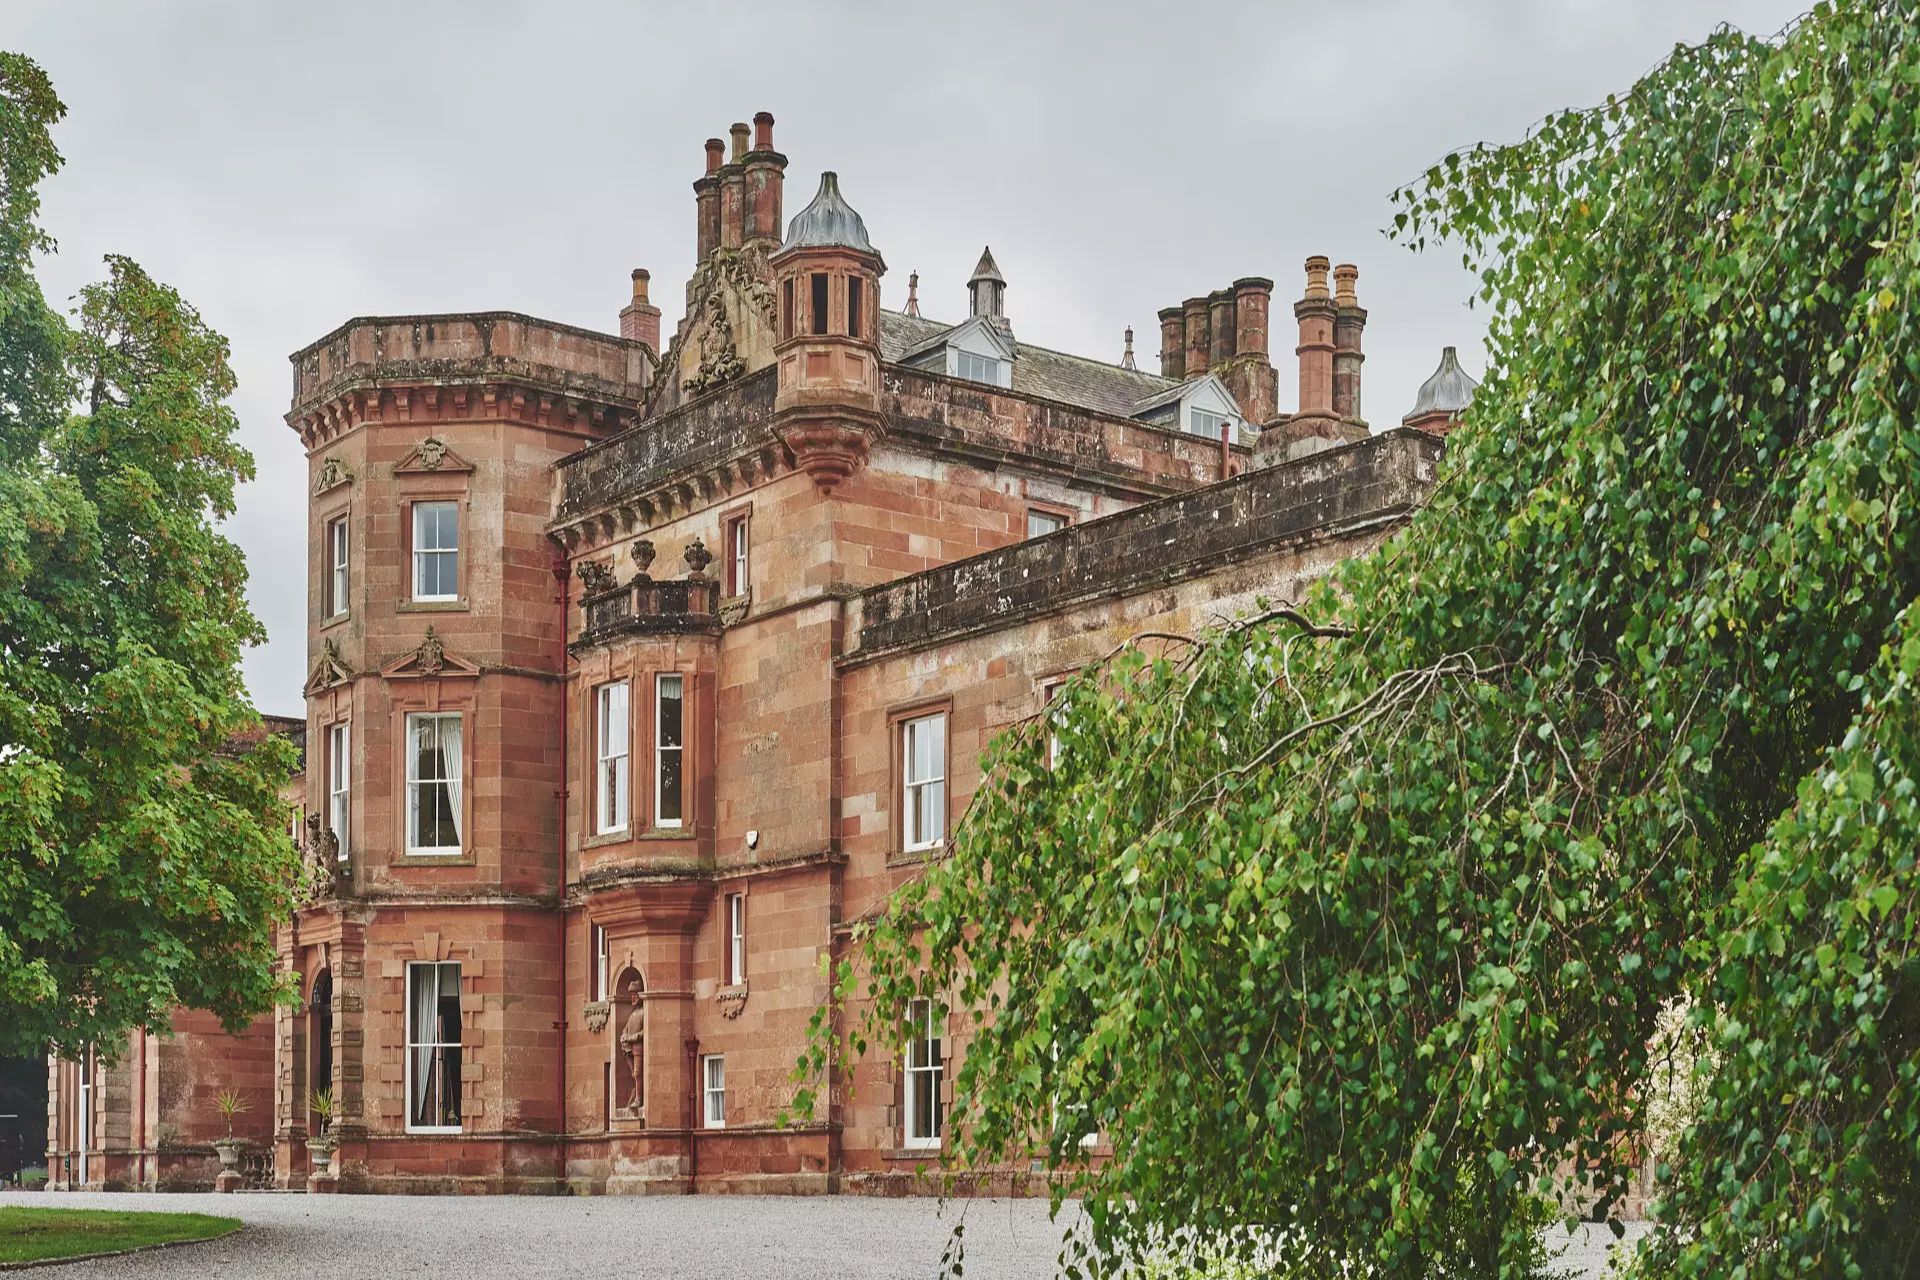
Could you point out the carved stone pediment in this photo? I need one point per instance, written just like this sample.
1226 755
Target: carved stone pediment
331 474
330 670
433 457
431 659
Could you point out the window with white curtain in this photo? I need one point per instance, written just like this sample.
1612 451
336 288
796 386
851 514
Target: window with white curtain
924 1107
713 1090
923 761
436 551
433 1047
433 782
339 785
614 735
669 725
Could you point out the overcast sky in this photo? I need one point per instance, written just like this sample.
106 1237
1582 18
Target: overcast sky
288 166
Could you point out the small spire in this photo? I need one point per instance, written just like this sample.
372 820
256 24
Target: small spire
913 294
1126 360
987 290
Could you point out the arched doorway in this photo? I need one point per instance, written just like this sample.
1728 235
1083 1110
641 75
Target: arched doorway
319 1041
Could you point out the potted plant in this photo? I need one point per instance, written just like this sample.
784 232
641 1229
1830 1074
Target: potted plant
322 1144
230 1103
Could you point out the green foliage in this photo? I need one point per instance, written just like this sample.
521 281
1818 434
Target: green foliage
1359 923
142 863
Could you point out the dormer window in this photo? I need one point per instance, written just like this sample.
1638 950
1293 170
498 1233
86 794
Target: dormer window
1205 422
976 368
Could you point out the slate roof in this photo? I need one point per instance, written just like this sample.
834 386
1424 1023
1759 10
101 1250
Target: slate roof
1046 374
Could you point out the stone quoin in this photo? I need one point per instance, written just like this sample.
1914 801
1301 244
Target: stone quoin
641 672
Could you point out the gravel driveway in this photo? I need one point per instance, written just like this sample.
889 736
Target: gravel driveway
297 1237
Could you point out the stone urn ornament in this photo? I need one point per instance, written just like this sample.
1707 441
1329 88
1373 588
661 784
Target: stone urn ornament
322 1144
230 1103
643 554
698 558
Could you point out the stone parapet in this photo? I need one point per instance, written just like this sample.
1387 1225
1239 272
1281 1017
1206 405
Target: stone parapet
1333 494
599 370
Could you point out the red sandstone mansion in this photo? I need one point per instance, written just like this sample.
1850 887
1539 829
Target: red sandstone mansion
639 674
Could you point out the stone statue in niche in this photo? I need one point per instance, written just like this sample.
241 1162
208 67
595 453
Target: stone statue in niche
633 1046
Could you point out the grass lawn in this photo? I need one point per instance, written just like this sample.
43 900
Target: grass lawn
35 1235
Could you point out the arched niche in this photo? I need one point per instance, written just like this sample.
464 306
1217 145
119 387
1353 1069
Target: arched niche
629 1043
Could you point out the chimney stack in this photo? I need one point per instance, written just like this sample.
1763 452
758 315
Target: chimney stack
640 319
1252 298
733 191
1350 320
1173 343
706 196
1315 312
1220 327
1199 341
766 179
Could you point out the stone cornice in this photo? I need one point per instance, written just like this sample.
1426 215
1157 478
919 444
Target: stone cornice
393 397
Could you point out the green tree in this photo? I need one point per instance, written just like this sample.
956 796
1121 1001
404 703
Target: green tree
1357 922
143 859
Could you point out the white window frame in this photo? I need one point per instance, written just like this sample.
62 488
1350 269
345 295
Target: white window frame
736 939
1053 521
740 553
340 784
923 1068
602 962
412 1044
974 367
661 750
923 798
415 784
612 775
421 550
713 1090
338 583
1207 422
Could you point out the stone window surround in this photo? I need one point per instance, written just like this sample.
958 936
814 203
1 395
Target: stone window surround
897 717
333 612
597 789
732 978
435 487
643 685
740 513
1066 515
911 1146
433 697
